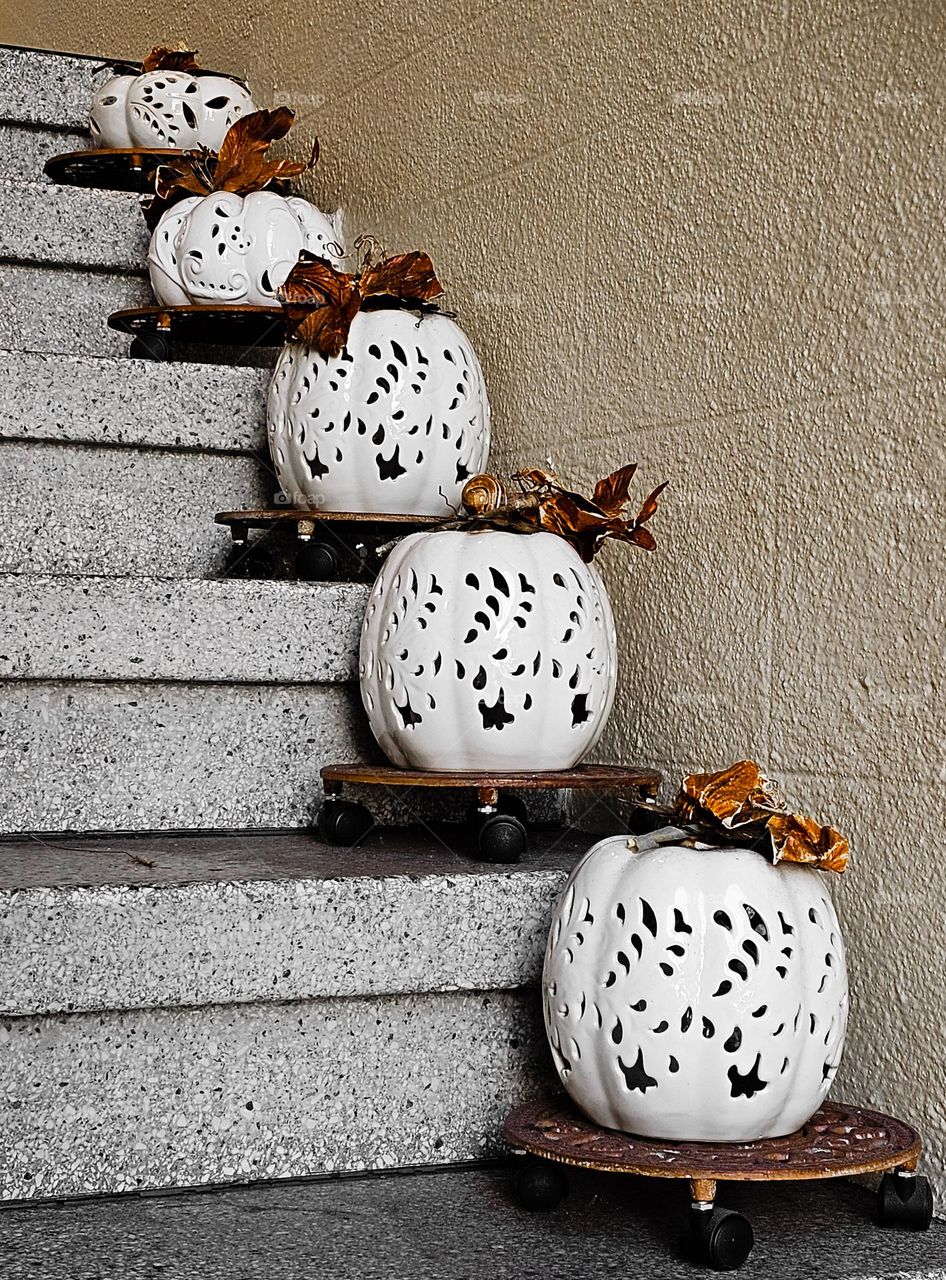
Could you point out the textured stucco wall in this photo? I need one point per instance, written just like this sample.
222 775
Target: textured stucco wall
708 237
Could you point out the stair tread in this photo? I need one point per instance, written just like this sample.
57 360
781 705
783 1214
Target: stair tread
237 857
455 1223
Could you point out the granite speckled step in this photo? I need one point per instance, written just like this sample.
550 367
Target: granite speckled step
190 1010
133 755
80 400
99 628
44 106
152 703
77 509
42 87
65 309
42 222
25 148
457 1225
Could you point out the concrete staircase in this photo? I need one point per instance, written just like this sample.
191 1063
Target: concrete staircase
232 1002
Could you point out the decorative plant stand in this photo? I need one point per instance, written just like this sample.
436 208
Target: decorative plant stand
328 544
500 828
837 1142
155 328
109 168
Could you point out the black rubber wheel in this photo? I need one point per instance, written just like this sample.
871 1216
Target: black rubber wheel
539 1186
905 1200
344 822
315 561
721 1239
149 346
514 807
501 838
249 560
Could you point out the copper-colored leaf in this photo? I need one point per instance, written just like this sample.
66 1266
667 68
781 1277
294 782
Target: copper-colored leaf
320 303
649 505
241 161
407 276
639 537
186 176
739 804
611 492
799 839
162 59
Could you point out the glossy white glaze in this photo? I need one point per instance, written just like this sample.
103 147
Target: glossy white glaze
396 423
231 249
487 650
695 994
166 109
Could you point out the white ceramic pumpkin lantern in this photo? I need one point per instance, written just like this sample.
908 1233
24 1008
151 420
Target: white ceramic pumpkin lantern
695 994
396 423
487 650
232 249
235 244
167 109
377 403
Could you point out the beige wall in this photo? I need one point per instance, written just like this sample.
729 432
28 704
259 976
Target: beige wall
708 237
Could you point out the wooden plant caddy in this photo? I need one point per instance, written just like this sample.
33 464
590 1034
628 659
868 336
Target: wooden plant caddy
838 1141
498 823
155 328
109 168
317 546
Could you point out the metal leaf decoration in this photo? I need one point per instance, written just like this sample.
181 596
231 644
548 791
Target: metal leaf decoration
543 503
740 805
321 302
163 59
241 165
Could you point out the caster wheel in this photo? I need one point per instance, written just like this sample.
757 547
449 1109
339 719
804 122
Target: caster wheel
315 561
905 1200
722 1239
344 822
539 1187
250 560
513 807
149 346
501 838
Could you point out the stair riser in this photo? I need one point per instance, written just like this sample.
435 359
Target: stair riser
143 629
145 947
183 1097
71 509
138 757
24 149
70 226
55 309
67 398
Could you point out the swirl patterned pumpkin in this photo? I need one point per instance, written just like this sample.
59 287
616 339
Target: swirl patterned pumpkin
166 109
232 250
487 650
697 995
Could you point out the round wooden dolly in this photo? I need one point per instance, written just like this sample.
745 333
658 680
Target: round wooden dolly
838 1141
155 328
499 821
341 545
109 168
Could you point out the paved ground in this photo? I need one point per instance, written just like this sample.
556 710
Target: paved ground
455 1225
